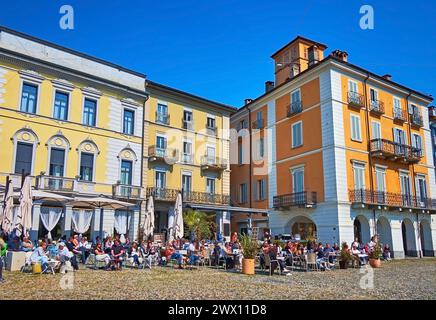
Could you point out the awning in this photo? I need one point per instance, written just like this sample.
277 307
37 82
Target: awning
210 207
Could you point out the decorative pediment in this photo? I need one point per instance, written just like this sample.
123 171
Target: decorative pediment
26 134
88 146
59 141
128 154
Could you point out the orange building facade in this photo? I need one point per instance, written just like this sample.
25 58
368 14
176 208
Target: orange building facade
345 153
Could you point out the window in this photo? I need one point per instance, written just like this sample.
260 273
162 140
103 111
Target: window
210 153
187 151
29 96
296 106
186 183
397 106
298 180
376 130
260 189
23 158
374 95
400 140
417 143
160 180
57 158
240 152
89 112
243 193
61 106
297 134
352 86
243 124
161 145
86 166
162 114
405 188
210 185
421 190
129 121
260 147
359 176
380 181
211 123
187 116
355 128
126 172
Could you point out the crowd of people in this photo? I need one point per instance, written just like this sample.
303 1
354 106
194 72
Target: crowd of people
114 252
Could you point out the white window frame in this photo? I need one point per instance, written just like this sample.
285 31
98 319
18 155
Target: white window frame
359 166
32 78
357 139
301 133
379 127
295 170
350 81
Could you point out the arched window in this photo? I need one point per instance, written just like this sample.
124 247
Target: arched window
25 143
58 147
88 152
127 158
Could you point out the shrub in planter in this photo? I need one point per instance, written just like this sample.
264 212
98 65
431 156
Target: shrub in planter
374 256
249 250
345 257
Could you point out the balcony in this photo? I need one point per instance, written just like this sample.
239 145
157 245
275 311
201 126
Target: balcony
212 131
205 198
170 156
127 191
162 194
294 108
389 150
58 184
417 119
377 107
399 115
258 124
355 100
188 125
303 199
162 118
392 200
432 113
213 163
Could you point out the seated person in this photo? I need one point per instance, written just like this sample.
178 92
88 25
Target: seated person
76 240
3 249
84 249
193 254
39 256
174 255
272 252
331 254
134 254
26 245
336 247
108 244
358 255
117 253
64 255
72 247
100 255
387 252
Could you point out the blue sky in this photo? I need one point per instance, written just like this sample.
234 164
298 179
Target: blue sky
221 49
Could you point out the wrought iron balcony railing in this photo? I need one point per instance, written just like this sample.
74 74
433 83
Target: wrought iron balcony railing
355 100
213 163
417 119
187 158
258 124
300 199
387 149
127 191
162 118
389 199
205 198
168 155
162 194
60 184
399 114
377 106
294 108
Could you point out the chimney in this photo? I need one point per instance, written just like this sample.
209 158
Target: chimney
340 55
387 77
269 85
247 101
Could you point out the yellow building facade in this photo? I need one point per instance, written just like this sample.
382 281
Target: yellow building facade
75 124
186 149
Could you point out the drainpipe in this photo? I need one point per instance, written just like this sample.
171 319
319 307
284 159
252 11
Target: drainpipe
368 133
250 162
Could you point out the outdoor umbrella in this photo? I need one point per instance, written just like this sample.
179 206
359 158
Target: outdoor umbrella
24 218
8 210
149 218
101 203
178 218
47 196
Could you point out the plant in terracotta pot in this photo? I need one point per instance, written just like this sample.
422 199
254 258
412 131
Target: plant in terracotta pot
374 256
249 249
345 256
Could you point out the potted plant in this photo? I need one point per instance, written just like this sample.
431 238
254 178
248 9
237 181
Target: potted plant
249 250
374 256
345 256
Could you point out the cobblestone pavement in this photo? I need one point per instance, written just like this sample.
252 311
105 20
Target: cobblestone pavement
406 279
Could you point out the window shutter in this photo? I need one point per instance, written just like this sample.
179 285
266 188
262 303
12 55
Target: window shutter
264 189
255 193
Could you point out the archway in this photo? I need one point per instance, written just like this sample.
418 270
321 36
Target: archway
426 239
409 243
302 226
362 230
384 231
